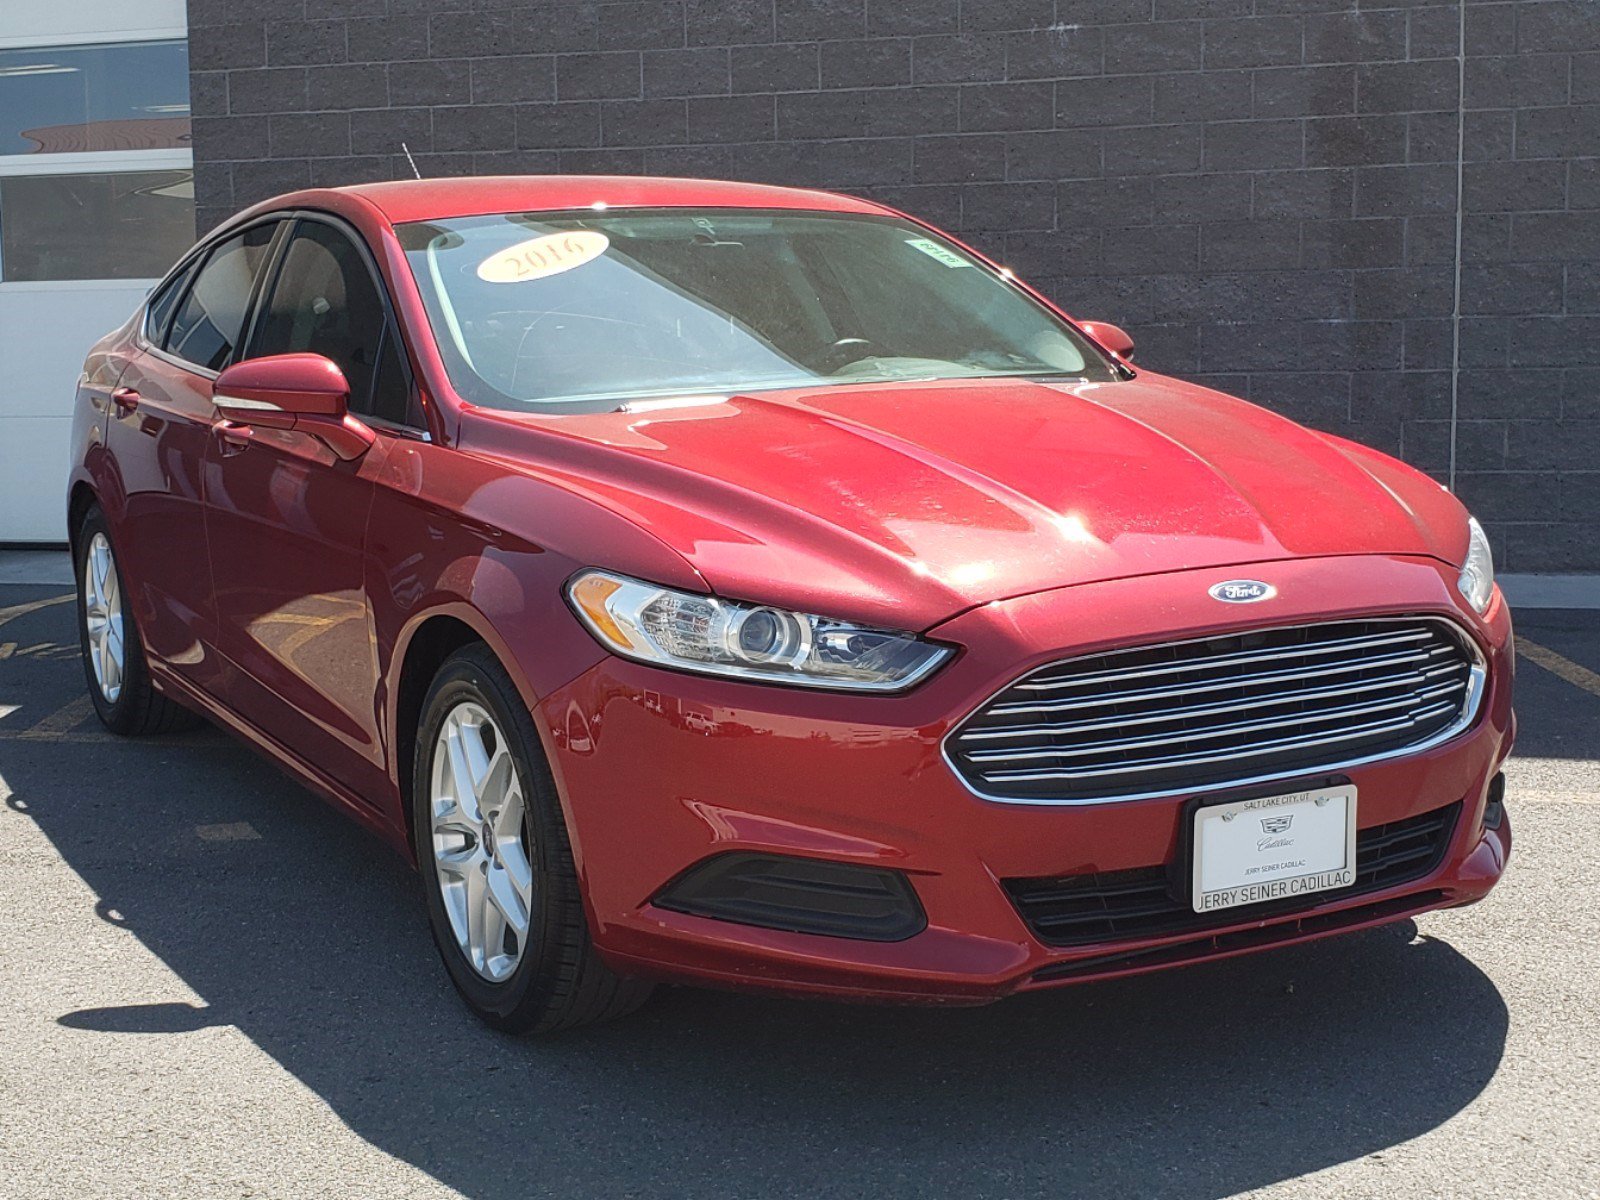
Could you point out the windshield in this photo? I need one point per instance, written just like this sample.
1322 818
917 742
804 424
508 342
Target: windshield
543 311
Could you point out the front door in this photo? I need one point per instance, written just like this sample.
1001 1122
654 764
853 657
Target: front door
288 523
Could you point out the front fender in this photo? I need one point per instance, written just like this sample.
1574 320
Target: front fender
491 546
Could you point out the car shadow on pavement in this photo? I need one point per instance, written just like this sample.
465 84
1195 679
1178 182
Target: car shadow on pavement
311 940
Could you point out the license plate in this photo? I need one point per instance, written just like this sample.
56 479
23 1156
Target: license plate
1274 847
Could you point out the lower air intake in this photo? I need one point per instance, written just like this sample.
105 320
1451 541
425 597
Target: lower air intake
1112 906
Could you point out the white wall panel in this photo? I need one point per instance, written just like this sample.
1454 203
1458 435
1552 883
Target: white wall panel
45 328
33 478
48 22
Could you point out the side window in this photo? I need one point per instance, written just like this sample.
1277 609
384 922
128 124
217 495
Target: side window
325 301
159 310
206 329
393 399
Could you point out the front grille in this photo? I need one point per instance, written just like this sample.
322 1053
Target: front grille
1150 902
1241 707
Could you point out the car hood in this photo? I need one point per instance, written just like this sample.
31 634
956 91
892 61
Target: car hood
905 503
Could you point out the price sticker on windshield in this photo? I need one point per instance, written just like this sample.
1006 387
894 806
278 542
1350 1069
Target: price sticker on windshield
940 253
543 256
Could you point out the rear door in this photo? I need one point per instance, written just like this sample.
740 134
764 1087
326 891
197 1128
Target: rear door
288 519
159 433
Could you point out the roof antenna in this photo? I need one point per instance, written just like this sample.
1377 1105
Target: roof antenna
411 160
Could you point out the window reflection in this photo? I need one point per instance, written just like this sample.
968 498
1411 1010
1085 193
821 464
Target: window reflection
75 99
127 225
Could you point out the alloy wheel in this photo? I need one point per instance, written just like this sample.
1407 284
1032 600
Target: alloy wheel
102 615
482 854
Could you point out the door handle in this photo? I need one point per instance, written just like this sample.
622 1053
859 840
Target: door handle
233 438
125 398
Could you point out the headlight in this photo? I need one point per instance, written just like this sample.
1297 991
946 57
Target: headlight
720 637
1477 576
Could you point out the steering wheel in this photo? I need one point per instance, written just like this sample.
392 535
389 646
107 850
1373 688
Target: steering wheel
843 352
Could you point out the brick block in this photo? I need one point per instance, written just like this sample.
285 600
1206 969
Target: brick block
1254 42
387 39
308 135
302 43
732 118
440 81
515 79
632 122
561 126
965 158
268 90
867 62
606 75
1346 37
729 22
865 113
1059 51
475 127
821 20
692 71
1253 145
776 68
640 25
958 58
1203 96
1117 100
348 86
895 17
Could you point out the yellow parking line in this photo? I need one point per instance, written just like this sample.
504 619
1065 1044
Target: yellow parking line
62 720
22 610
1548 797
1556 664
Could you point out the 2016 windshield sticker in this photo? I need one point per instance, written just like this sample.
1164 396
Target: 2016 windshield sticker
540 257
933 250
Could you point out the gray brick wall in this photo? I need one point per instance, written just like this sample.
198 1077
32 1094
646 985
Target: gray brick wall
1262 191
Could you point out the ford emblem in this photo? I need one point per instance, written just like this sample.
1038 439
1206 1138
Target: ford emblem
1242 591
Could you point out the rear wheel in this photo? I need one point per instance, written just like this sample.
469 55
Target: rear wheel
113 655
502 892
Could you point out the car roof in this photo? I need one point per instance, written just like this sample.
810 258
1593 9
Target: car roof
427 199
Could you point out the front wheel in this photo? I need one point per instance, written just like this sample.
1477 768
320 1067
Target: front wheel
502 893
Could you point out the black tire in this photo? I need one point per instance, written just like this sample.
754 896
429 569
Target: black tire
560 981
138 708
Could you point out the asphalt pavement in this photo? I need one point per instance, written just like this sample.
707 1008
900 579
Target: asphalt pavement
211 985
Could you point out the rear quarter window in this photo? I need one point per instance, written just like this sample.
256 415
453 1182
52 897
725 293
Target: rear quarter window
158 310
210 320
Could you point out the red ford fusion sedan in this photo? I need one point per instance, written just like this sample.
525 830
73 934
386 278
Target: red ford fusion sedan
756 587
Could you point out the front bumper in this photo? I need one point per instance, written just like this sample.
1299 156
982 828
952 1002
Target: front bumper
659 770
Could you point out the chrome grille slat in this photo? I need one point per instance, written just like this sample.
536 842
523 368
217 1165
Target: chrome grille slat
1307 650
1412 680
1216 684
1011 754
1211 712
1187 760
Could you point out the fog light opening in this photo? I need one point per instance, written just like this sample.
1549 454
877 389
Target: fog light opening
799 895
1494 806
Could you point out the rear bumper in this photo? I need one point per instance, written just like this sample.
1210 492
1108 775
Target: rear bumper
660 770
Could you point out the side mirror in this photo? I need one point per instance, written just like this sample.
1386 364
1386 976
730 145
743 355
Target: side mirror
1109 337
304 392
